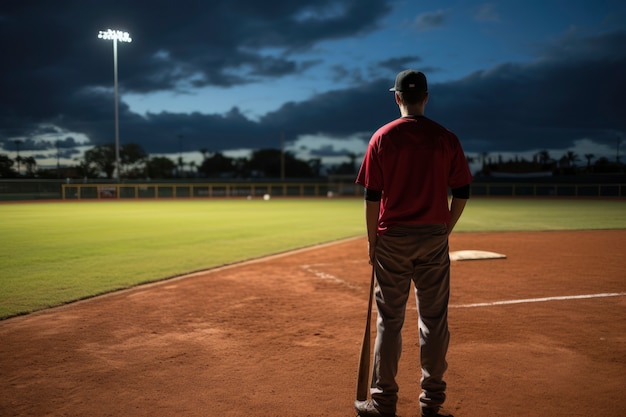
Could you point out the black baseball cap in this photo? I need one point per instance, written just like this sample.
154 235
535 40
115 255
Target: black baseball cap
410 80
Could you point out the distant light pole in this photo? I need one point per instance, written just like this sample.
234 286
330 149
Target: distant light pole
282 156
18 158
116 35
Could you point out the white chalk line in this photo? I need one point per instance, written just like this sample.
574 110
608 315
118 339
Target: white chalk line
539 300
328 277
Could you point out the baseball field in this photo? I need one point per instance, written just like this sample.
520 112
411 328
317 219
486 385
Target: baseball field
256 308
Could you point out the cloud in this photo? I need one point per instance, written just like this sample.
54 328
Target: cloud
54 55
57 81
576 93
548 103
396 64
431 20
487 13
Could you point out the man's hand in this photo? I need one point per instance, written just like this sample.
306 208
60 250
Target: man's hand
371 248
457 205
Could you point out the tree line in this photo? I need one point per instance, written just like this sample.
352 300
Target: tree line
568 164
136 163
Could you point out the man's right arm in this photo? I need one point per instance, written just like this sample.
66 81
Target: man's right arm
457 205
372 211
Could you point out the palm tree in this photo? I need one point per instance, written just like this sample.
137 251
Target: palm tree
544 157
181 166
30 163
352 156
589 157
19 160
571 158
484 156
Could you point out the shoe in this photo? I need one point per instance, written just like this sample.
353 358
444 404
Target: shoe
433 413
368 409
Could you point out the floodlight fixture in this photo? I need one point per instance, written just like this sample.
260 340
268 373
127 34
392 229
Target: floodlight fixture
115 36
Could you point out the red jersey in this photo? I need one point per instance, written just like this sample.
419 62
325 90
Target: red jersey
413 161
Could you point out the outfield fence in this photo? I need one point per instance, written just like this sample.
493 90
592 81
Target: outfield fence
94 190
200 190
548 190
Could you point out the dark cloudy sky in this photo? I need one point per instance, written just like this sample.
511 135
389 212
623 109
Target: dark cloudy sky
509 77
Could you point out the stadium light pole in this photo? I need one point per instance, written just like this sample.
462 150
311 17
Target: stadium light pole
115 36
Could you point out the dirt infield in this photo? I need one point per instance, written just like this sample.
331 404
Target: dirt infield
281 336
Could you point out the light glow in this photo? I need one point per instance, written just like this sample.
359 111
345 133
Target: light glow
117 35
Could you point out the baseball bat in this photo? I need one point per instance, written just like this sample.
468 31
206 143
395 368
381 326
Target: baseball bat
363 374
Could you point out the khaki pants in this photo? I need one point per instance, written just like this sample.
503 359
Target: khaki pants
405 254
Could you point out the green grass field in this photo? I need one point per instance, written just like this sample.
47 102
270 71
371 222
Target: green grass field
54 253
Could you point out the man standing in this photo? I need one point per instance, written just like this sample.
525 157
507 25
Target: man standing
410 165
